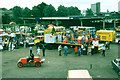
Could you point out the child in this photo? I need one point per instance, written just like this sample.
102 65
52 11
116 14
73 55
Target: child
38 51
76 50
79 51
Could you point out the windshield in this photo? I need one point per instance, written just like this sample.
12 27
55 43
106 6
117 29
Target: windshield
117 36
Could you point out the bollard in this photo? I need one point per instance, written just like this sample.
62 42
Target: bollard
90 66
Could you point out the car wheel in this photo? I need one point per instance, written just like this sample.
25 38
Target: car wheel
118 42
37 64
20 64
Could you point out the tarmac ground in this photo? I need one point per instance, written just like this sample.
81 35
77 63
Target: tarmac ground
56 66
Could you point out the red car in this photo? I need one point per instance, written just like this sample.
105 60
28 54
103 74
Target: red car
25 61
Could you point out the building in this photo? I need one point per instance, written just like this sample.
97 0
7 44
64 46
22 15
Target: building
7 12
95 8
84 12
119 6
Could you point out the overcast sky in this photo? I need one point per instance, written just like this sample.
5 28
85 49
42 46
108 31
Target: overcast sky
111 5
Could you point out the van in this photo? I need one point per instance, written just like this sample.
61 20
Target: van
106 35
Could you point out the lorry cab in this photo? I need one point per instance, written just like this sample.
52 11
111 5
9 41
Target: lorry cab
106 35
40 33
38 39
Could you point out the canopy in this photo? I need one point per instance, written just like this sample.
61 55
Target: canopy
51 25
12 23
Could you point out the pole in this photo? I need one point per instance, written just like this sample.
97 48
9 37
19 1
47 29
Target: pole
103 24
81 23
24 22
37 22
114 23
57 22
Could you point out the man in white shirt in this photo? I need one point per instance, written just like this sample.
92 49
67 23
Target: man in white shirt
59 50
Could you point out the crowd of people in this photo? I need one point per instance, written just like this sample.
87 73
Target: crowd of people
85 49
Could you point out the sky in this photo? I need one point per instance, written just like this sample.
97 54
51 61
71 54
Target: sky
111 5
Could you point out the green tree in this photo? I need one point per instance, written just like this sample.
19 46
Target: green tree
19 20
89 12
6 19
3 9
41 8
26 12
62 11
73 11
36 12
49 11
17 12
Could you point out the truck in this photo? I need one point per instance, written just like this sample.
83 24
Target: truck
57 29
106 35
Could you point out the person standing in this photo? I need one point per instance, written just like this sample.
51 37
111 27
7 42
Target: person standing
12 46
59 50
27 42
79 51
108 45
9 46
76 50
82 49
82 40
86 47
43 50
24 43
103 49
30 50
92 51
38 51
65 47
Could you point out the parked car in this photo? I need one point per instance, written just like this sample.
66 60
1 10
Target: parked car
117 40
116 65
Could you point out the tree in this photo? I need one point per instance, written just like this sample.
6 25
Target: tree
6 19
89 12
73 11
26 12
62 11
3 9
41 8
19 20
17 12
49 11
35 12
